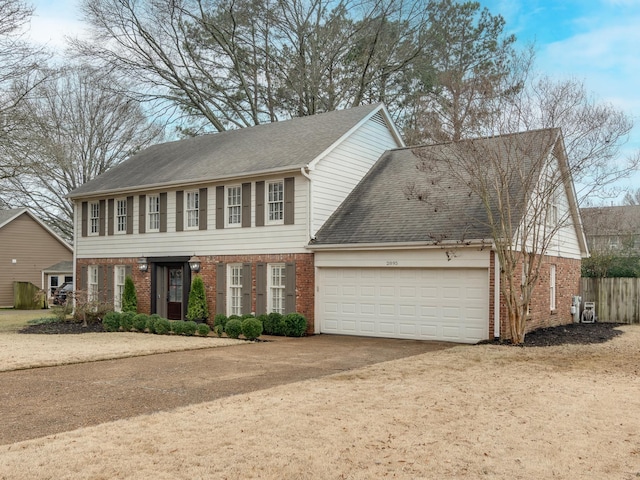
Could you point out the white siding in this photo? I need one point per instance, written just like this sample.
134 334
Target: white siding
335 176
228 241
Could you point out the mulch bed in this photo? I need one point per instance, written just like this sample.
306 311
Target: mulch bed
574 333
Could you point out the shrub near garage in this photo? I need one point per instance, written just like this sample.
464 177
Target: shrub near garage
251 328
295 325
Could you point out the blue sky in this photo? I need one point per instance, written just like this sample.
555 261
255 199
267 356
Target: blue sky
597 42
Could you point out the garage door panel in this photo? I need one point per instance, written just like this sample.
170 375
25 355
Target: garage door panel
428 304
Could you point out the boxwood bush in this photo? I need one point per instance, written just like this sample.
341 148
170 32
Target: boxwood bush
295 325
126 321
220 319
189 328
177 326
162 326
111 322
233 327
218 330
140 322
251 328
273 324
151 323
203 329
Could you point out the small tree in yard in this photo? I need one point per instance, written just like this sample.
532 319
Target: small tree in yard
197 309
129 296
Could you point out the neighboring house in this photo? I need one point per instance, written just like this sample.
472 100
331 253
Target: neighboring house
305 215
56 275
245 202
28 248
612 229
392 266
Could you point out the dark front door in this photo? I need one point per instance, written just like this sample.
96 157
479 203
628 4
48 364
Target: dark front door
174 295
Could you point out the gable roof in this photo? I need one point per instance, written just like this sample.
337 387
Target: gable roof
382 208
8 216
611 221
273 147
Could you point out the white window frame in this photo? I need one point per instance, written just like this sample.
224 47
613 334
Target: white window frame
234 289
276 287
233 210
94 218
153 213
552 287
192 210
274 202
92 283
119 275
120 217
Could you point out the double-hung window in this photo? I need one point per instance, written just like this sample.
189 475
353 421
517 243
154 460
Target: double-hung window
92 287
234 205
276 288
552 287
94 218
119 276
121 215
235 289
193 209
154 213
275 202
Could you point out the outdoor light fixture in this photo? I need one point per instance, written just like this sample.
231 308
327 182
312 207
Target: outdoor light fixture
143 266
194 264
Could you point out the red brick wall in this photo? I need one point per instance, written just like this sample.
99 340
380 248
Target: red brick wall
540 313
305 279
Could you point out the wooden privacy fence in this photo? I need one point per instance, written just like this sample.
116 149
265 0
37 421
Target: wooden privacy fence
26 296
617 299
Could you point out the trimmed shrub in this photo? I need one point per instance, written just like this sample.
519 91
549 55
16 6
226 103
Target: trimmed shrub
197 309
140 321
151 322
220 319
273 324
162 326
111 322
218 330
235 317
233 327
203 329
248 315
295 325
177 326
251 328
189 328
129 296
126 321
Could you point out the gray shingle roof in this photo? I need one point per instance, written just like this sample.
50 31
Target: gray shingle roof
276 146
380 210
6 215
617 220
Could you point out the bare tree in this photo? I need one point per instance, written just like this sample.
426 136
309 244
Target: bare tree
632 198
76 128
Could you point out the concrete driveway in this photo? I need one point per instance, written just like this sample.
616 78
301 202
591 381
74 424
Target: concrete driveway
44 401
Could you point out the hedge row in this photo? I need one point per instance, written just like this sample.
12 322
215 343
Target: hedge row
290 325
128 321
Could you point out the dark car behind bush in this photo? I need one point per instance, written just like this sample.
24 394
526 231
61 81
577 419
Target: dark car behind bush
61 293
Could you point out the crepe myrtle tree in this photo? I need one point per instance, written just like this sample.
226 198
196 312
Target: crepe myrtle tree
519 180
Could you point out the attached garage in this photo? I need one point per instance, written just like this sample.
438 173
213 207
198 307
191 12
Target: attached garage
449 304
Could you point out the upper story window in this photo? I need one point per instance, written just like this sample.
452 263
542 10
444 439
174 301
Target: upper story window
94 218
121 215
234 205
154 213
275 201
193 209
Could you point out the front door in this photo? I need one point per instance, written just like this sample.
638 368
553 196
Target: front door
174 295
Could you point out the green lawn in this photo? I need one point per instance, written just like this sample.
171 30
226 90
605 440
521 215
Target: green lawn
13 320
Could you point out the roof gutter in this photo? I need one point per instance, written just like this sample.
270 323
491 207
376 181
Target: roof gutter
401 245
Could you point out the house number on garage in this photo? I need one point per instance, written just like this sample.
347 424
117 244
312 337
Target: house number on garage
392 263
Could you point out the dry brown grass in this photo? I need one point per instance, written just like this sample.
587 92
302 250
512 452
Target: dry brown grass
570 412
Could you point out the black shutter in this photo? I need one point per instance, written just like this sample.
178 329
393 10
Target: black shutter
179 210
261 288
163 212
109 284
110 216
202 206
85 219
290 287
246 288
246 204
221 276
129 215
220 207
289 204
142 213
259 204
102 215
84 278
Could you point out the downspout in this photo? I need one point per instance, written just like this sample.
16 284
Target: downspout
303 171
75 250
496 295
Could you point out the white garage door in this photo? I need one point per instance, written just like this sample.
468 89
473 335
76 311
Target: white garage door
417 303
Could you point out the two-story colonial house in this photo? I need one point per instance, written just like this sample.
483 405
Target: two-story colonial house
309 215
